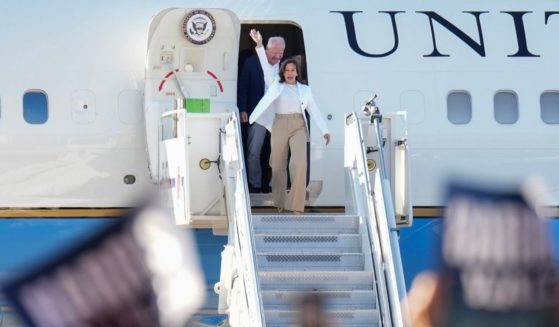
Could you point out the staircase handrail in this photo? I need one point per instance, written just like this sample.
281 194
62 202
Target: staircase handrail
240 218
376 213
391 228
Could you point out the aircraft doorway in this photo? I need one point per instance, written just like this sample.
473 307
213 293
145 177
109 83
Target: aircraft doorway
295 48
293 35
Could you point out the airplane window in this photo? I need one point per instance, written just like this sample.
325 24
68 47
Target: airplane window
506 107
35 107
549 104
459 107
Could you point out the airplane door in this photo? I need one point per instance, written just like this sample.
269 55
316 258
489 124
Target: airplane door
191 84
192 54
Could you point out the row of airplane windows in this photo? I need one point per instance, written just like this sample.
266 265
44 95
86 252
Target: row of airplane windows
459 107
505 107
36 106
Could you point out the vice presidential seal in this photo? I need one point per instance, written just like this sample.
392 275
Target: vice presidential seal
199 27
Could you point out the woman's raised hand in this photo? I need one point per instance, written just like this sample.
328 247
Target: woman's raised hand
256 37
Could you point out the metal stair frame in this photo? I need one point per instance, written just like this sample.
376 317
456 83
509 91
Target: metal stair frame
241 236
378 222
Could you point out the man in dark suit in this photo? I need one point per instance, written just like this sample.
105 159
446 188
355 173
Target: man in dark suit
251 88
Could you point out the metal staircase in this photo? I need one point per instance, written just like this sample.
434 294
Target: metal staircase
351 261
315 253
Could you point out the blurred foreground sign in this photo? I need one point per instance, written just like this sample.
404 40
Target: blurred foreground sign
498 250
141 271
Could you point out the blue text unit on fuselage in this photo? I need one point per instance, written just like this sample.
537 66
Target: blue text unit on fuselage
517 27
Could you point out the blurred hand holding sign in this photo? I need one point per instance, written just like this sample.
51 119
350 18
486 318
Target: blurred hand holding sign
497 264
140 271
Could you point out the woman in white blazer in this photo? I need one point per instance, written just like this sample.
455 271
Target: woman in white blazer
282 112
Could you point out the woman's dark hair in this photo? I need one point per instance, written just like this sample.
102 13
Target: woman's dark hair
282 69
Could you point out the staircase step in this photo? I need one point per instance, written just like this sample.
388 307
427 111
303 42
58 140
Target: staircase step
303 224
314 253
305 260
333 300
315 242
334 317
316 280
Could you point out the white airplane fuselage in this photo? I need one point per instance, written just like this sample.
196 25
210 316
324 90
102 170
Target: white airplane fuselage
413 54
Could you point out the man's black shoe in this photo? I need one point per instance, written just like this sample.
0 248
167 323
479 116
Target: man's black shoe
266 189
254 189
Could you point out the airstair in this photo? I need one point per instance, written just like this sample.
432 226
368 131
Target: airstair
350 260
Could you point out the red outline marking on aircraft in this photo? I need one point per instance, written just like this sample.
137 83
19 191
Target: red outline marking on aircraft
217 79
167 76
